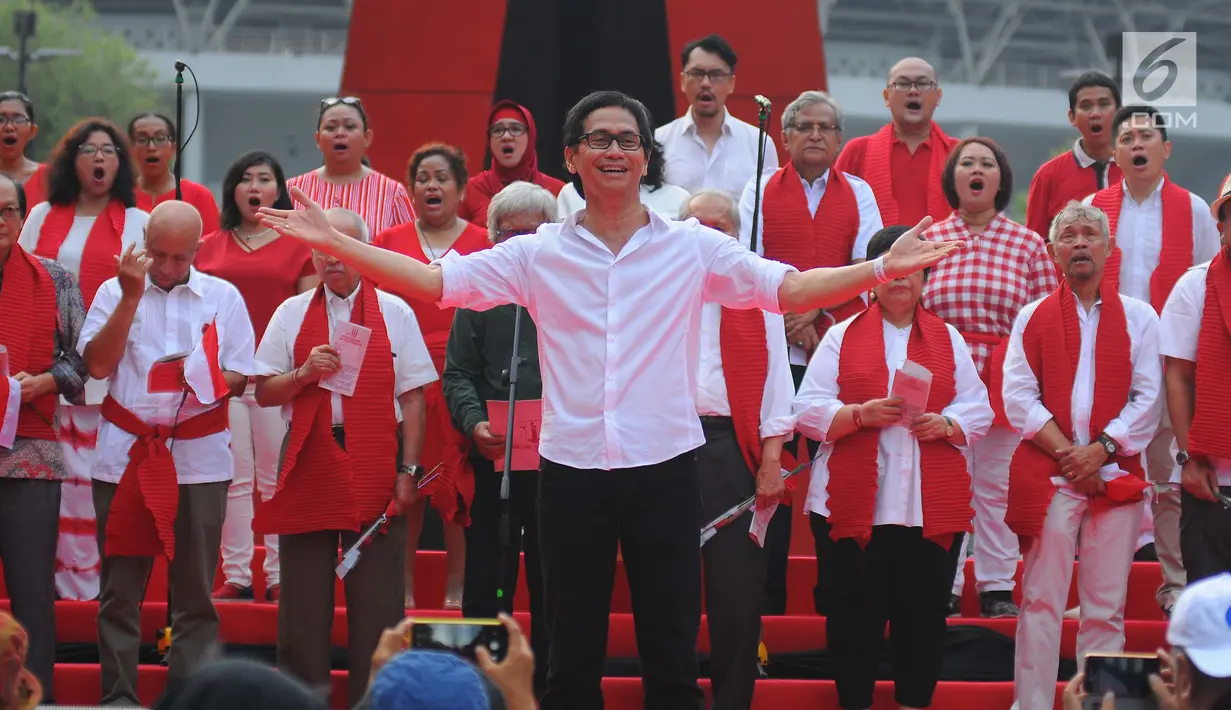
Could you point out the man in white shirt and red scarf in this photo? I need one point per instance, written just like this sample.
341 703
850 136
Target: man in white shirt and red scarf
163 463
1161 230
1082 381
1196 340
744 393
346 461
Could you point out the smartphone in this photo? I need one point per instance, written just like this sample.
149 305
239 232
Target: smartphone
461 636
1125 675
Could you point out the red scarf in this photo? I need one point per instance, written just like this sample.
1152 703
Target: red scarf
792 236
29 317
745 365
495 179
862 376
1176 255
101 246
1210 436
878 172
321 486
1052 345
142 518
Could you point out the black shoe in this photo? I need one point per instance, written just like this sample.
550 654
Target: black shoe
1147 553
997 605
955 606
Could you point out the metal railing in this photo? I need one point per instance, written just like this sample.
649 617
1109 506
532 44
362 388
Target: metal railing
169 36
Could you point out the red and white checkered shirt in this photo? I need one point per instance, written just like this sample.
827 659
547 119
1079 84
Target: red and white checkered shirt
980 289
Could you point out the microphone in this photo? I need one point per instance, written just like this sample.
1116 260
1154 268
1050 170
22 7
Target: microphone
762 102
179 66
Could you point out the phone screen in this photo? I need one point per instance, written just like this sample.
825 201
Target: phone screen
1124 675
461 637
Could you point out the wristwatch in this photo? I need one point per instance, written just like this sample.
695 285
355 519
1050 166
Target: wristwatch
1182 457
949 431
1108 444
415 472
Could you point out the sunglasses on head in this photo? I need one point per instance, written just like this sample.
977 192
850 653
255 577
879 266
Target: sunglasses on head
345 100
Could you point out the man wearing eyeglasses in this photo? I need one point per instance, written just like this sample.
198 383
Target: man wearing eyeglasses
616 292
707 147
904 160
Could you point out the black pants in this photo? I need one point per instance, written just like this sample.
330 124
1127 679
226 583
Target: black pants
29 527
734 567
487 572
1205 536
654 514
899 578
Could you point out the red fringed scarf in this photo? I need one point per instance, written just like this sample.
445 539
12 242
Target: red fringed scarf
792 236
142 518
29 317
862 376
745 365
1052 345
1176 255
320 485
878 172
1210 435
101 246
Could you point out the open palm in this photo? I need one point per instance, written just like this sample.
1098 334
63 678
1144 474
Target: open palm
910 253
309 225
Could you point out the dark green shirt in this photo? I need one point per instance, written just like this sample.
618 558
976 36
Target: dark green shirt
479 351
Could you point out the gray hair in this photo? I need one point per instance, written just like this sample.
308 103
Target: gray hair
726 197
1074 211
361 227
807 99
518 197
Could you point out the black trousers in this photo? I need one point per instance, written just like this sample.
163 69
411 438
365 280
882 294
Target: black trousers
734 568
904 580
29 528
654 514
487 572
1205 536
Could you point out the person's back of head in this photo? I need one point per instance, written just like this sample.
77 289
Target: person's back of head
1200 635
431 680
19 689
242 685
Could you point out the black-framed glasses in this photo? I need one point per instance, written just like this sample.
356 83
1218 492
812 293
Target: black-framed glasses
90 150
714 75
18 120
825 129
905 85
159 140
513 129
503 233
602 140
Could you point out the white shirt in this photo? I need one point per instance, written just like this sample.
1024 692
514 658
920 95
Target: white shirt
899 492
731 163
776 417
667 200
1084 160
1139 235
1134 428
165 324
412 365
69 257
1178 333
618 335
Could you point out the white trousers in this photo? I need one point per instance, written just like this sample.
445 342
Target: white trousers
77 561
1160 464
256 441
1105 545
995 545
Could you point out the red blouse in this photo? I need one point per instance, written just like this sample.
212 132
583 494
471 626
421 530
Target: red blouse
195 194
265 276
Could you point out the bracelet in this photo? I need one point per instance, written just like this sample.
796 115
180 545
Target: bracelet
857 416
878 268
295 379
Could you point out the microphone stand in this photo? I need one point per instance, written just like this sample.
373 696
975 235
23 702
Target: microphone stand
505 533
179 128
762 122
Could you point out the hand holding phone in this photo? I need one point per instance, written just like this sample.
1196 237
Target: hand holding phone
1125 676
461 637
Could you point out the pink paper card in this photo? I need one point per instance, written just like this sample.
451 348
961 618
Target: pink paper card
527 423
351 343
912 384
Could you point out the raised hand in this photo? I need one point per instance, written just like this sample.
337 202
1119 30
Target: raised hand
131 269
910 253
309 225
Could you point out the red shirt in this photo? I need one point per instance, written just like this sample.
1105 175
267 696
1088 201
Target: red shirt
195 194
265 277
36 186
434 321
1066 177
911 174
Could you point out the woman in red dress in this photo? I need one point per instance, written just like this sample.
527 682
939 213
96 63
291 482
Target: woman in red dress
267 269
438 183
153 142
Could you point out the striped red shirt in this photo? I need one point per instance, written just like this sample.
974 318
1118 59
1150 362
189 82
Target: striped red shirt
381 201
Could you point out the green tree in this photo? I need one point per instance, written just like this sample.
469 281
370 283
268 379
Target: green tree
107 79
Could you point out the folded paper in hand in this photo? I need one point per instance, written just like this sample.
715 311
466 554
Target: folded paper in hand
912 384
527 424
351 343
167 374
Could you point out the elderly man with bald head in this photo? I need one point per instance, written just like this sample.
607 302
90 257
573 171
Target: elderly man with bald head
349 456
903 161
166 500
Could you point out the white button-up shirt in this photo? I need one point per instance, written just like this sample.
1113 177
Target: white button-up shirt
1139 234
618 334
776 417
731 164
412 365
167 323
1178 333
1134 427
899 492
869 214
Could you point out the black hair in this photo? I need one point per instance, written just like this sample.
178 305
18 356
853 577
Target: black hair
132 125
714 44
18 96
1093 79
948 181
575 126
454 155
229 215
352 101
21 193
1128 112
883 239
63 187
